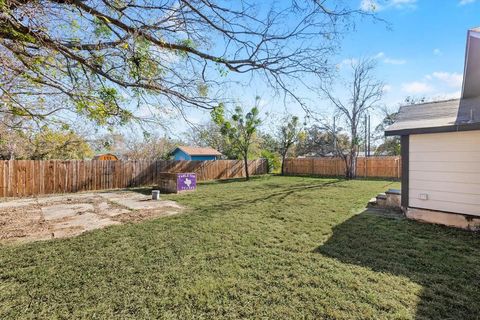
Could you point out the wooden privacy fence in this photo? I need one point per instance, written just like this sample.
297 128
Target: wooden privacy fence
34 177
378 167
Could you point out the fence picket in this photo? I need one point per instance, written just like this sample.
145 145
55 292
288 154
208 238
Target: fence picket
19 178
371 167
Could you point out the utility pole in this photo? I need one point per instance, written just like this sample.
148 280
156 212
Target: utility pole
366 137
369 135
334 136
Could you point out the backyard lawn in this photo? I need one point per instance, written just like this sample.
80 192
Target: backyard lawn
274 247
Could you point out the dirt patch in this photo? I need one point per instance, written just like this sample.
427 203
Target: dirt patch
61 216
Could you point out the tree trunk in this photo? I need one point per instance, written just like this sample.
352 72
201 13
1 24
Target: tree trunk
352 157
353 165
245 161
283 163
348 167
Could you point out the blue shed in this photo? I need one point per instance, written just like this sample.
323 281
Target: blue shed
194 153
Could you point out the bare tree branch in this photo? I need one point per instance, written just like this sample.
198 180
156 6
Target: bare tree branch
100 55
365 93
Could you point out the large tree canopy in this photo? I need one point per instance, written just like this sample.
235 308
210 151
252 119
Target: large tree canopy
92 57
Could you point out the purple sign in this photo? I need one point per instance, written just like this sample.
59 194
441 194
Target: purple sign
186 181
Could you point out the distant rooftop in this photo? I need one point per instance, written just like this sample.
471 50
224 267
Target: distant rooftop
194 151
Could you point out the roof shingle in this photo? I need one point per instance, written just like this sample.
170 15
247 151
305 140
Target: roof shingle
448 115
194 151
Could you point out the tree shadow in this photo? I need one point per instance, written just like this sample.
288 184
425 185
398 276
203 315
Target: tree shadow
278 195
230 180
444 261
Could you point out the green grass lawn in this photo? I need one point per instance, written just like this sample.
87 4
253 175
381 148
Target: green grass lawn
274 247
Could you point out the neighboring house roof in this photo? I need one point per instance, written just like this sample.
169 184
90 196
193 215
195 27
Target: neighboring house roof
104 155
194 151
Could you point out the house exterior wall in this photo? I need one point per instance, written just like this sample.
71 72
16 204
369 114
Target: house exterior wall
180 155
204 158
446 168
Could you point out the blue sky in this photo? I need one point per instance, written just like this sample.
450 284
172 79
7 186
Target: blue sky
423 53
420 53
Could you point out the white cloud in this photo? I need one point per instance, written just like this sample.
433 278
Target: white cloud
394 61
437 52
369 5
375 6
453 80
383 57
403 2
347 62
417 87
387 88
464 2
451 95
437 84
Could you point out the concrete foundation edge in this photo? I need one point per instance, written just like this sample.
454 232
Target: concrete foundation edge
444 218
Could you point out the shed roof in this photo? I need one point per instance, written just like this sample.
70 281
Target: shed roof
103 155
439 116
194 151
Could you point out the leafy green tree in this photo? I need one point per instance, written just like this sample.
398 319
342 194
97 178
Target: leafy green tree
273 160
58 144
13 138
210 135
266 147
149 147
239 129
389 145
321 142
288 134
267 141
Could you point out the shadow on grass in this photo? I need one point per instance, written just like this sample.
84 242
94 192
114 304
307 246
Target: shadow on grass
272 192
224 181
339 177
275 193
445 261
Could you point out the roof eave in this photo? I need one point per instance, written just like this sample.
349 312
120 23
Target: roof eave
451 128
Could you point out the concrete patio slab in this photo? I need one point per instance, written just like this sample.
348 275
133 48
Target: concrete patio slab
65 198
67 215
81 223
60 211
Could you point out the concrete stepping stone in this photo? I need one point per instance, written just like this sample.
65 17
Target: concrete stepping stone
61 211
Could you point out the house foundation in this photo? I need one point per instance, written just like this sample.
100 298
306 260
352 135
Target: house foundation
444 218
